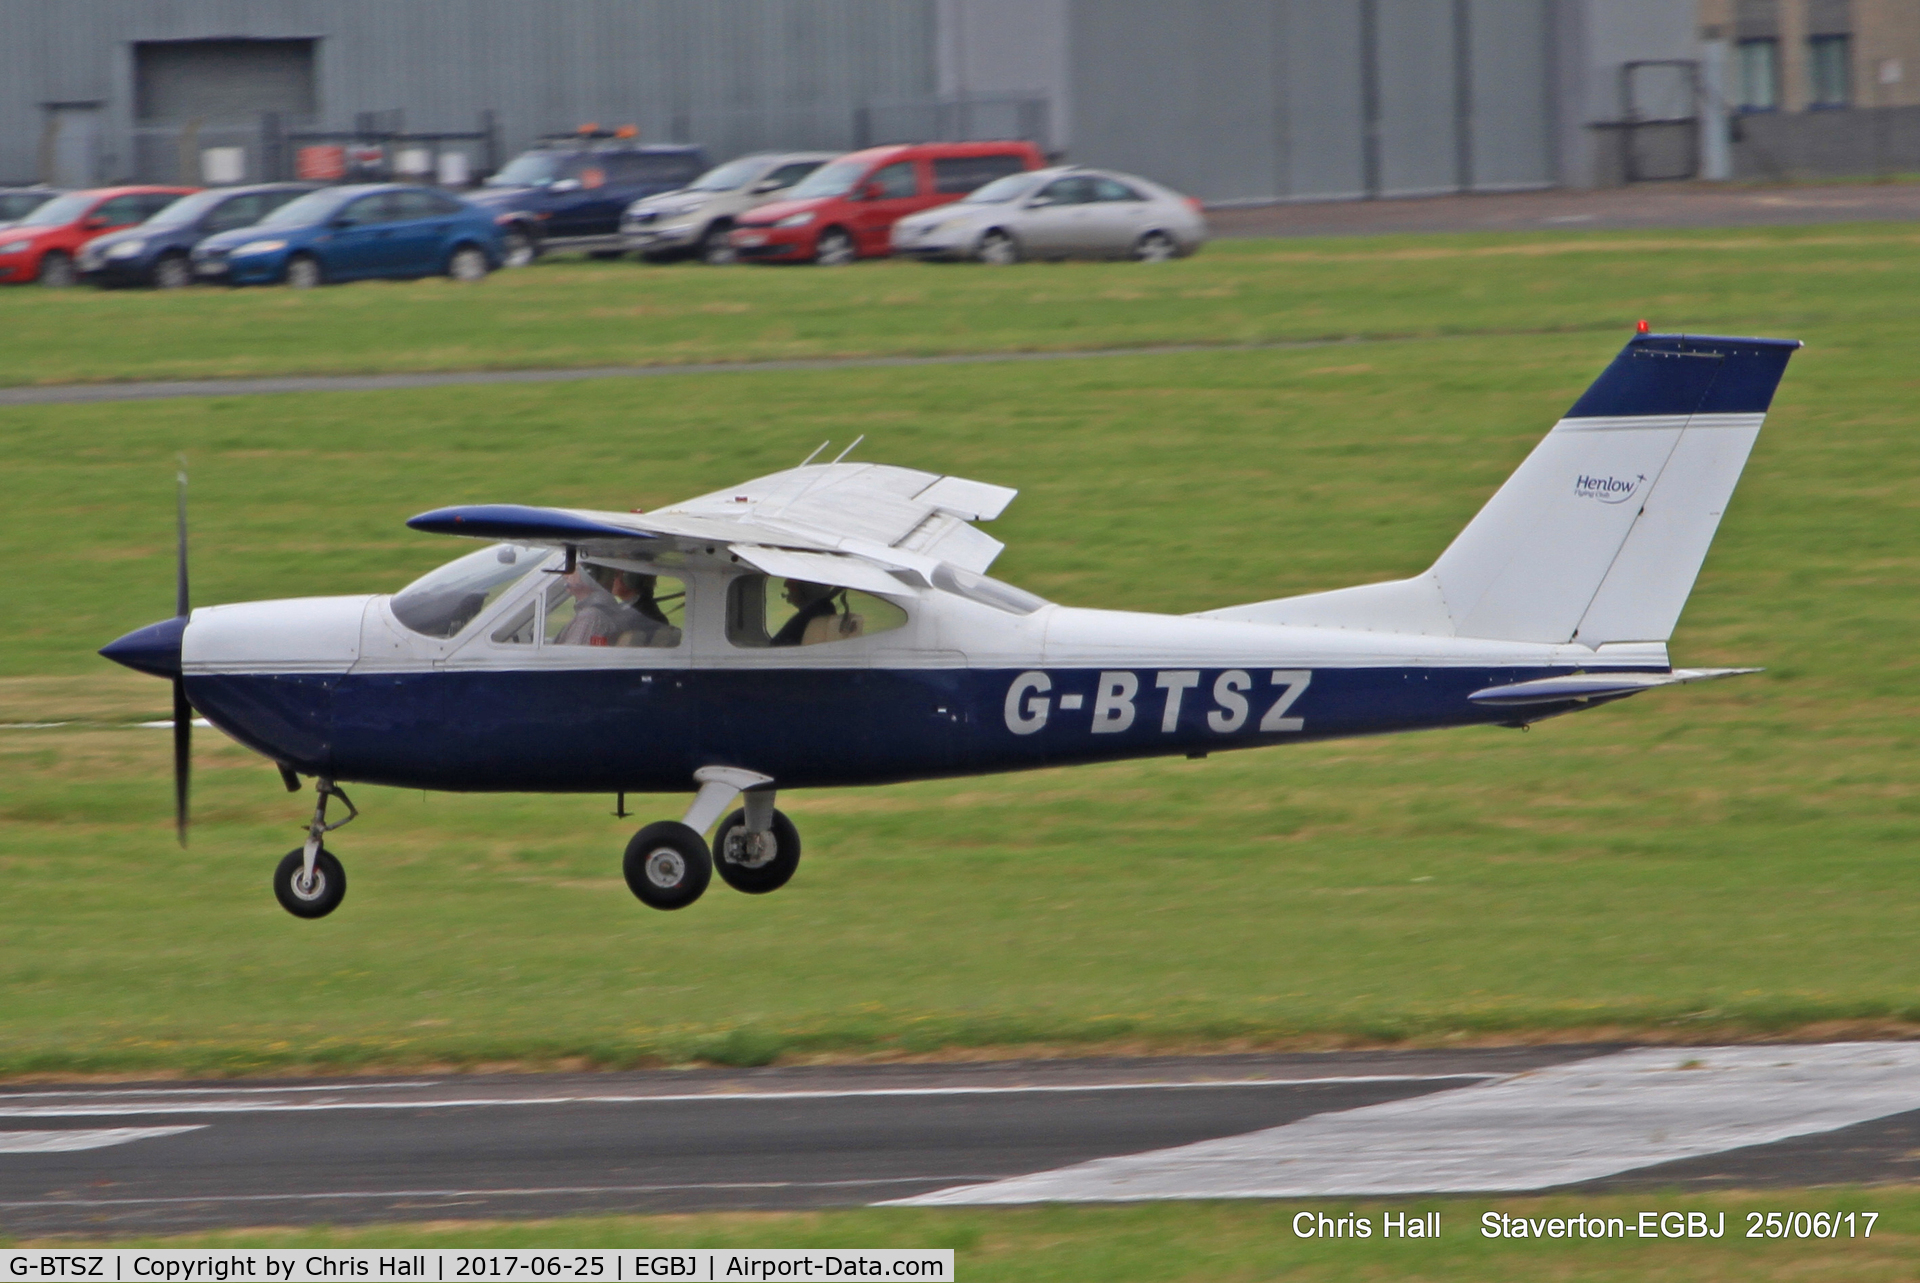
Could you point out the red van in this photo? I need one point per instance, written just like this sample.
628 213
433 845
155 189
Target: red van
846 208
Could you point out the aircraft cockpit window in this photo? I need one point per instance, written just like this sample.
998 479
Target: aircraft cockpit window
763 611
442 602
600 605
988 592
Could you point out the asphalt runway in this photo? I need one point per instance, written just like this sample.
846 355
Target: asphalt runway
145 1158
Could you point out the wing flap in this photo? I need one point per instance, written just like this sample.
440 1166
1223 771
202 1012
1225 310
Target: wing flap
821 568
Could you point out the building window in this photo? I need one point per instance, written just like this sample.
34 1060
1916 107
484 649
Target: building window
1828 61
1759 87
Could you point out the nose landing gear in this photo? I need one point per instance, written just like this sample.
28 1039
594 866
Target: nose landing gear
310 882
756 849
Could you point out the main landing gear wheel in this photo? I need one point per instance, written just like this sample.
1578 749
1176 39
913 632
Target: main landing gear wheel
310 899
756 862
667 865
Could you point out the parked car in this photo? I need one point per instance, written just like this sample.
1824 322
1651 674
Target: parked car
17 202
42 246
350 233
157 251
696 219
570 192
1058 213
846 210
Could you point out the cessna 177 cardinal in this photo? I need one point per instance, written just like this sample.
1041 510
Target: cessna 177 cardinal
833 625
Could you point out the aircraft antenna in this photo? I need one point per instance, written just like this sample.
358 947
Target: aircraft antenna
849 450
816 452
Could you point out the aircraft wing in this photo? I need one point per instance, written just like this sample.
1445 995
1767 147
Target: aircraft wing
892 519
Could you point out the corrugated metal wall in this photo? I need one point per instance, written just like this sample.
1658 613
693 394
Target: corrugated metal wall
733 74
1258 99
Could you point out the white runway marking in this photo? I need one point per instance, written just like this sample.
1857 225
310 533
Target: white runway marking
106 1104
1554 1126
84 1138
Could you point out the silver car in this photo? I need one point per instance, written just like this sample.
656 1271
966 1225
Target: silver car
1058 213
696 219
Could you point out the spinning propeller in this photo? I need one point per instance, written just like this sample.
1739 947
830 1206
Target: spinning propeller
182 710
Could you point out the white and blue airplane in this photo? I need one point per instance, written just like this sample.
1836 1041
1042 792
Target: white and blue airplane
833 625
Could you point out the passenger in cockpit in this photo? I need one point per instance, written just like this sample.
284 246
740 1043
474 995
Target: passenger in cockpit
643 621
811 602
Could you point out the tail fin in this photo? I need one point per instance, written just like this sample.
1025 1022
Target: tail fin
1599 534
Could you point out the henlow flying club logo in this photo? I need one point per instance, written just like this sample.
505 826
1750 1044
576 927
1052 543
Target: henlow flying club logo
1608 489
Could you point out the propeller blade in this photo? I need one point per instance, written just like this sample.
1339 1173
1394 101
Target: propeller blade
182 756
180 606
182 710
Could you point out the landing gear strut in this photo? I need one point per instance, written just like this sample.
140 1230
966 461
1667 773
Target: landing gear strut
756 849
310 883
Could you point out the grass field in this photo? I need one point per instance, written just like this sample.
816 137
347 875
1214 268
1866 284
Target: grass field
1233 1242
574 312
1725 861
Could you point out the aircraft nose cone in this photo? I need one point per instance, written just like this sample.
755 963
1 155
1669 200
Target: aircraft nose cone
154 649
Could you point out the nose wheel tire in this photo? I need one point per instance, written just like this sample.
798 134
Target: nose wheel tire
315 899
834 248
756 862
667 865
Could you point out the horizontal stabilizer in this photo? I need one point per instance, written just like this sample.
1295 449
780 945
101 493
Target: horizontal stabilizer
1558 690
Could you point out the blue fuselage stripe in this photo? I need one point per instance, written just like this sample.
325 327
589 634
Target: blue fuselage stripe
600 730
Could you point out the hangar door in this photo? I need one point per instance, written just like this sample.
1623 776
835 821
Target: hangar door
193 96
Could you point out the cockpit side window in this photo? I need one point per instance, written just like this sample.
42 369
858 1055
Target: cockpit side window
442 602
764 611
602 604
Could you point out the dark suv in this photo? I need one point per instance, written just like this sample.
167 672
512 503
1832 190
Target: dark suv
569 192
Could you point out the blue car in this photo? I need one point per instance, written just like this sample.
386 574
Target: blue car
351 233
156 252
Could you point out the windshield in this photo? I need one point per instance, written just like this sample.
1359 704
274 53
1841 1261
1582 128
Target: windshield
59 211
311 208
442 602
724 178
1002 190
187 209
530 170
836 179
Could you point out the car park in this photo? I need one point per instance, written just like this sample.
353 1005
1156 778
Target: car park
570 192
1068 212
846 210
158 251
43 245
353 233
17 202
696 219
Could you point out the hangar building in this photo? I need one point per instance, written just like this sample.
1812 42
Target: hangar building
1231 100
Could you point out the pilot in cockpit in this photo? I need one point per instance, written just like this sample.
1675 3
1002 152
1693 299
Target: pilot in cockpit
814 619
598 616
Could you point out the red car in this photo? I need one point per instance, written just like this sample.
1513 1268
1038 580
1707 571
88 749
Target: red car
42 246
846 208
